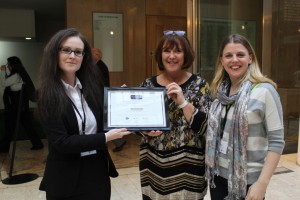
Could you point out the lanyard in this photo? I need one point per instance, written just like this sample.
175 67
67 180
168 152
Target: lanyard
227 107
83 120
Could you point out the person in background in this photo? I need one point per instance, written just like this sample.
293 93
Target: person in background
70 102
13 77
172 162
97 57
245 135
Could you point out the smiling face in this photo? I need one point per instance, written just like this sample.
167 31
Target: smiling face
235 60
172 59
70 63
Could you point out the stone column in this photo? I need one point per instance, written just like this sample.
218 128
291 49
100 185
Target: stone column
298 154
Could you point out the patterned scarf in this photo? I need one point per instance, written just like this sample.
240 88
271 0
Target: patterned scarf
237 152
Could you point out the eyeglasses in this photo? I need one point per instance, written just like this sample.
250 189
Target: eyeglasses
171 32
66 50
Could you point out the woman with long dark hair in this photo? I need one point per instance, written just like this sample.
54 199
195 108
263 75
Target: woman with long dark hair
70 105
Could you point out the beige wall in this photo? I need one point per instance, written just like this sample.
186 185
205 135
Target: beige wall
79 15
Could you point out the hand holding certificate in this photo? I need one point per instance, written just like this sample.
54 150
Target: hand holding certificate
116 133
135 108
151 133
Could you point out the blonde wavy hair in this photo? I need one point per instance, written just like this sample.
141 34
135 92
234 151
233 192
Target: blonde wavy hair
253 73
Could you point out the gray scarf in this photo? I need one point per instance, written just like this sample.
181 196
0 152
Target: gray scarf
237 151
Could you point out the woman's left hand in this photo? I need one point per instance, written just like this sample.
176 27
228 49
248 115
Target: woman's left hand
257 191
174 92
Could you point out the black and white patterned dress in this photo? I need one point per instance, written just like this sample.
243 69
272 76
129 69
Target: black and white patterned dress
172 164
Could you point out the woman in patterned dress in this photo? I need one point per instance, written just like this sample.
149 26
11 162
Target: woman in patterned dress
172 162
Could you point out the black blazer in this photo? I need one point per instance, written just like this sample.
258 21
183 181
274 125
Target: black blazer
65 144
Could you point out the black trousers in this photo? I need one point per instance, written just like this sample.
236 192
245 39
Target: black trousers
221 189
89 196
11 109
93 181
148 198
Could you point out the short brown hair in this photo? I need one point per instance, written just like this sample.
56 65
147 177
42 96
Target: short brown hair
171 41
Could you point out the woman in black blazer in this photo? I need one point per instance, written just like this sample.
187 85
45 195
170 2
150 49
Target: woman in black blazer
69 101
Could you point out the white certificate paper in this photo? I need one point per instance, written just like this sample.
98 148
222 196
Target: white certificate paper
136 109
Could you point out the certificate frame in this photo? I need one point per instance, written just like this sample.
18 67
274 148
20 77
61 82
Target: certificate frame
136 108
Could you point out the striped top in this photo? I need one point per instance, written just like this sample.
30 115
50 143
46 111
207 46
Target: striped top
265 131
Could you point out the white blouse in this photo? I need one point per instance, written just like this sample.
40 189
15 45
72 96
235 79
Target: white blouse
74 93
14 81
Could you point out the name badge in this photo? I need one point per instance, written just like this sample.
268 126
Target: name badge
223 146
87 153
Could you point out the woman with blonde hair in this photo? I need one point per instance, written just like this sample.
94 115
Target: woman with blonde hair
245 135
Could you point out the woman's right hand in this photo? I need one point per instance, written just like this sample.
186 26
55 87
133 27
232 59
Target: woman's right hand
116 133
174 92
152 133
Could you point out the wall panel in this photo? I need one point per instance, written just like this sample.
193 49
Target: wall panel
134 33
167 7
79 15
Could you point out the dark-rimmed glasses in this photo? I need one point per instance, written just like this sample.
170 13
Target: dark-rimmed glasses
68 51
172 32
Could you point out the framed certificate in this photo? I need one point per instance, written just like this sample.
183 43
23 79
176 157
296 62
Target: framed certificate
136 108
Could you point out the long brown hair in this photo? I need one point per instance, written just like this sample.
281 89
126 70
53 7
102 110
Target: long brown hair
51 94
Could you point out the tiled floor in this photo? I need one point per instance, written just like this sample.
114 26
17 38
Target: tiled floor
285 184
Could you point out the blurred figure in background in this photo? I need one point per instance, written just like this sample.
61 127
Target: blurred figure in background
97 57
13 76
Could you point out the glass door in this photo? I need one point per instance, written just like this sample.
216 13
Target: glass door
273 28
283 55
